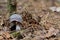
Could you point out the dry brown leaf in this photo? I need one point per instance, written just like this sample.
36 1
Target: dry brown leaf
1 37
7 35
51 32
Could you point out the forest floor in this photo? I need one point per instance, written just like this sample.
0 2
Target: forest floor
37 24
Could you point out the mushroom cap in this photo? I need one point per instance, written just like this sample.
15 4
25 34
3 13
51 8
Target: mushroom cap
15 17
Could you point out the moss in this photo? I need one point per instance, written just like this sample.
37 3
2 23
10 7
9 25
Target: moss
11 7
17 34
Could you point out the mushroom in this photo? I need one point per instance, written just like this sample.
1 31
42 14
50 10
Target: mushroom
15 19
